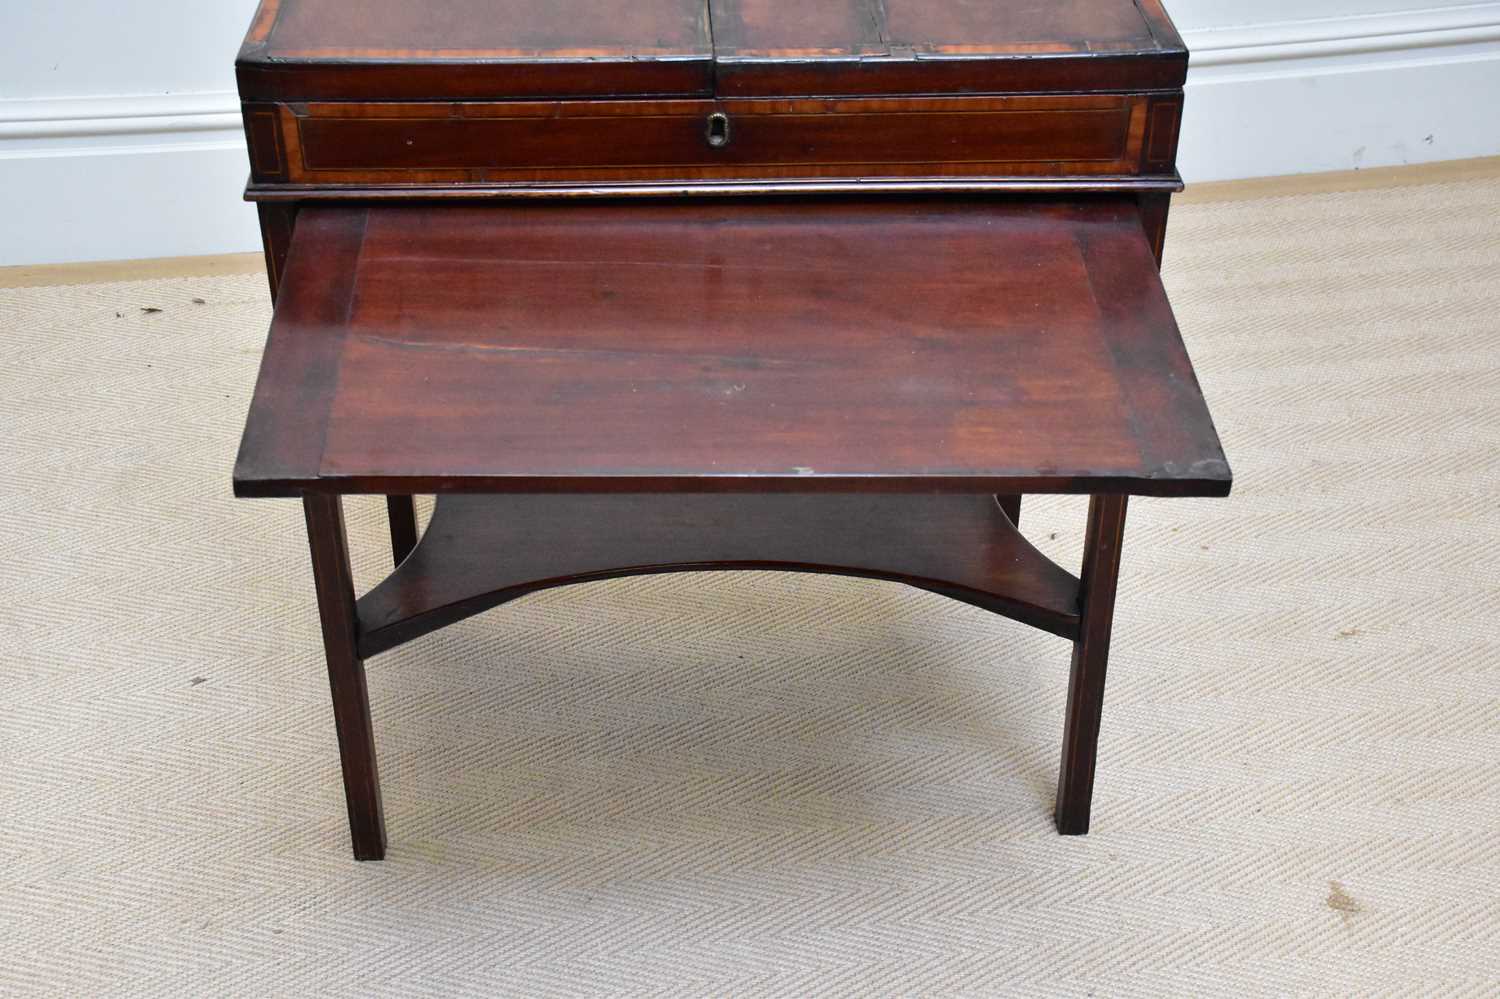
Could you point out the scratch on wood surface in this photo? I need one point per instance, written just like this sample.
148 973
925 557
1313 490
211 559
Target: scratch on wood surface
751 361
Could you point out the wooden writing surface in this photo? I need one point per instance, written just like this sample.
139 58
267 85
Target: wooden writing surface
896 345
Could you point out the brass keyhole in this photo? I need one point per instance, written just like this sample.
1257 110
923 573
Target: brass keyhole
718 130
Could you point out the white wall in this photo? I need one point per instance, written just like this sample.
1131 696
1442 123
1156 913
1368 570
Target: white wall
1302 86
119 135
119 130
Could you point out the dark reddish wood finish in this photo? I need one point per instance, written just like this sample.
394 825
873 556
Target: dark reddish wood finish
482 551
478 49
503 96
1083 135
1154 208
853 346
1101 571
461 49
784 47
844 365
276 224
289 421
477 31
346 674
402 512
885 30
1081 141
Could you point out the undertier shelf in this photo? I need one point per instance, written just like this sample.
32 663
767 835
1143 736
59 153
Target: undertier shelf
481 551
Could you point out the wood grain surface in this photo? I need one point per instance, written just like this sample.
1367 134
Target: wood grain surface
482 551
394 50
856 345
1085 135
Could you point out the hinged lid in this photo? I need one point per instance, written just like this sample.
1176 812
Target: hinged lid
795 47
499 49
476 49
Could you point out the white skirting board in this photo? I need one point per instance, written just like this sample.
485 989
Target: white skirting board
1342 94
131 177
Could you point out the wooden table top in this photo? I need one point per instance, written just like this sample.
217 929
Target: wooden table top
856 345
396 49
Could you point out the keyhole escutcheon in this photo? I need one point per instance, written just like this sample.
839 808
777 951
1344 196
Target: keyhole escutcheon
718 130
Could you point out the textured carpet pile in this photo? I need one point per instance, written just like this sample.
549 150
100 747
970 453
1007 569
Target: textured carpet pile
781 785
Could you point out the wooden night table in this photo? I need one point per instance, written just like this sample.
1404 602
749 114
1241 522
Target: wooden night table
699 284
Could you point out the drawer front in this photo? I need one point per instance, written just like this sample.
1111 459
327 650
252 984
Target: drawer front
652 141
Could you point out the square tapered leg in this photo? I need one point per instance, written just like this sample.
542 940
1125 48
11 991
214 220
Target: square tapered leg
1101 571
402 513
346 674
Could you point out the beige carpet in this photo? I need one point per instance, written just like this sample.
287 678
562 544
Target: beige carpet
779 785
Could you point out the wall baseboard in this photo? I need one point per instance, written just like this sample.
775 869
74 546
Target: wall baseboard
1342 93
1350 35
121 177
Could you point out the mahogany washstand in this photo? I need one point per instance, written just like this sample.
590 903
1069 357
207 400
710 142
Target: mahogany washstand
823 285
